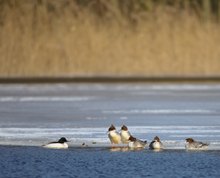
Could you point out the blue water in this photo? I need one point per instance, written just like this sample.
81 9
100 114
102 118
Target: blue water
34 114
102 162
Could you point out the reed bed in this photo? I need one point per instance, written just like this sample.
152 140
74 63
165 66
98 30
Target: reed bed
37 40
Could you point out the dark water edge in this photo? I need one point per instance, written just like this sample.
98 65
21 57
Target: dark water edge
108 79
25 161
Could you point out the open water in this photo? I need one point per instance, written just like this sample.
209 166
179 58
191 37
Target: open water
34 114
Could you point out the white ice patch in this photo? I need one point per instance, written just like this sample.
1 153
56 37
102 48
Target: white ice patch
43 99
160 111
173 137
96 118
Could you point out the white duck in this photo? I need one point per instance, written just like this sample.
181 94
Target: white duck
113 135
125 134
156 144
60 144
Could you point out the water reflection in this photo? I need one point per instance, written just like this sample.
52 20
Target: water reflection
124 149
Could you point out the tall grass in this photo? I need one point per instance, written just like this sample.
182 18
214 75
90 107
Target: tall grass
63 38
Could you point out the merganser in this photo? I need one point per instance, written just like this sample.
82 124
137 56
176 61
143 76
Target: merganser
156 143
125 134
113 135
60 144
191 144
136 143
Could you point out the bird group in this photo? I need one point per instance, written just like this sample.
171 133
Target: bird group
125 137
132 142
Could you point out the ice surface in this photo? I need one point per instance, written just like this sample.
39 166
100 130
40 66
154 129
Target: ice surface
33 114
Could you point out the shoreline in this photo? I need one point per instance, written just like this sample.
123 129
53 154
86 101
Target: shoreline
115 148
107 79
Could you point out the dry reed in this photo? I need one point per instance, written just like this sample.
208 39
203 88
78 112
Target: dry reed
164 42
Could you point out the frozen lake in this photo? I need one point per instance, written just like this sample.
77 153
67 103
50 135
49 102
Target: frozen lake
33 114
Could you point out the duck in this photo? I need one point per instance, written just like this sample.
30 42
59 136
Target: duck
125 134
135 143
191 144
113 135
60 144
156 144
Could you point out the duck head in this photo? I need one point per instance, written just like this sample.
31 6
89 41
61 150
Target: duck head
112 127
189 140
62 140
124 127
